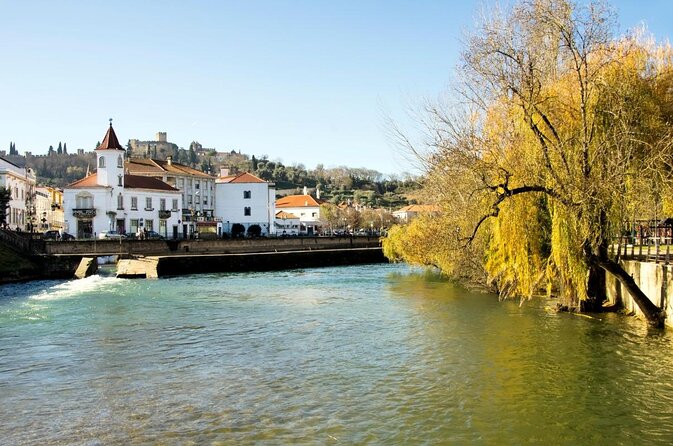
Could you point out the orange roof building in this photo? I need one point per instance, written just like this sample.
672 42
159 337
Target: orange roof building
305 207
111 199
247 200
197 188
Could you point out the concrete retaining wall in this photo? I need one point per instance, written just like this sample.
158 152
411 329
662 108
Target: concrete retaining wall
266 261
656 281
165 247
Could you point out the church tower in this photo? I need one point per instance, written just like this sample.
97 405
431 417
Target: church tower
110 161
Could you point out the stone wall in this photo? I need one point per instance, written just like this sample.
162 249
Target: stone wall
168 247
656 281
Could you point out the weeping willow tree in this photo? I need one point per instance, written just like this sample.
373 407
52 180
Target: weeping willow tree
562 132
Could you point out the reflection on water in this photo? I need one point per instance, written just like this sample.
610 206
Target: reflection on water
376 354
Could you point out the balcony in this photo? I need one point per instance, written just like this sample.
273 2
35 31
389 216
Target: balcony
164 214
84 213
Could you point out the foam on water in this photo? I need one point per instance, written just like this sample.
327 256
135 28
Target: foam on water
76 288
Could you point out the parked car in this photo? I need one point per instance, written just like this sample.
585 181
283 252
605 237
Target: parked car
149 235
153 235
111 235
53 234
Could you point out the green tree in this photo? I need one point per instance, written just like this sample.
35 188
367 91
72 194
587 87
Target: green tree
5 197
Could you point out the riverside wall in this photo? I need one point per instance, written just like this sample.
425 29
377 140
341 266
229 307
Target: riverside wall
200 246
654 279
265 261
175 257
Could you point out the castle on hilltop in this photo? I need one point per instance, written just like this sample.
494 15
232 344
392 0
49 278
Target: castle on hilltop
159 148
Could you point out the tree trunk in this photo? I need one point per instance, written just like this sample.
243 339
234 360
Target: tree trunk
655 316
596 290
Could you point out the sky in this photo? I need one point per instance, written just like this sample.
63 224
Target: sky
304 82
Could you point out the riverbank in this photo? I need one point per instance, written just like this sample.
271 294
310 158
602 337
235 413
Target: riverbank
52 260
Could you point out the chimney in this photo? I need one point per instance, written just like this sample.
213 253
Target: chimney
224 172
317 192
305 190
169 160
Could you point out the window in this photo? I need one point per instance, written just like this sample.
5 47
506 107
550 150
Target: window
197 185
205 200
246 211
181 183
175 204
247 194
120 202
120 161
134 225
148 203
101 161
189 199
149 224
84 201
162 204
119 180
134 203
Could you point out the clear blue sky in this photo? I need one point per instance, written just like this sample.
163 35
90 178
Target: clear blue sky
300 81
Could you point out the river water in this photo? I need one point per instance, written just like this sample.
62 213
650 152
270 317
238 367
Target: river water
376 354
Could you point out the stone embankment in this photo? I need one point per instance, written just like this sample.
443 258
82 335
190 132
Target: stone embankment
157 258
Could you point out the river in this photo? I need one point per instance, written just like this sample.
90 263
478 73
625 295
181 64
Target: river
374 354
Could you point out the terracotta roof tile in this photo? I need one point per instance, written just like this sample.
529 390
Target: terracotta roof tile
130 182
147 165
296 201
241 178
110 142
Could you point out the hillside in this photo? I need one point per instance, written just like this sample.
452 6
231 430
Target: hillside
337 185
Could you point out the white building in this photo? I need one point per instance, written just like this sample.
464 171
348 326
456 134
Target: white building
197 188
21 183
407 213
110 199
306 208
246 200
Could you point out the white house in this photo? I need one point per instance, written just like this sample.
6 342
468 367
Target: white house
21 183
244 199
407 213
110 199
306 208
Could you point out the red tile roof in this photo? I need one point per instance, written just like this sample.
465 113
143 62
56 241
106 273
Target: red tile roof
155 166
110 142
241 178
130 182
297 201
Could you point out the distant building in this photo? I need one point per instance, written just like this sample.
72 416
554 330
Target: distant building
111 199
287 224
306 208
49 208
159 148
407 213
21 183
244 199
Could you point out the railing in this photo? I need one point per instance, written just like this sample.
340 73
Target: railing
84 213
164 214
645 249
